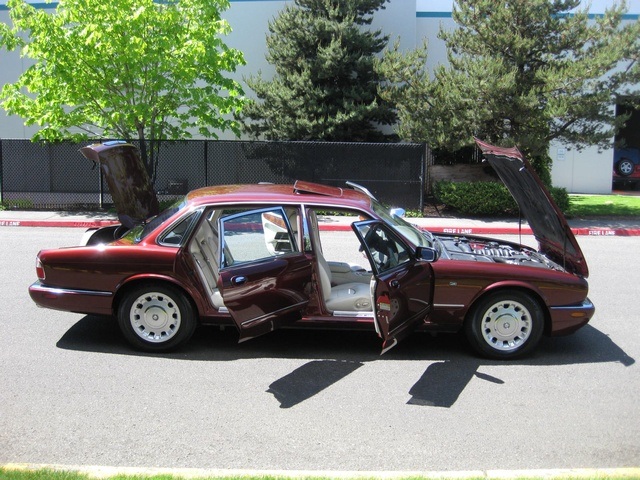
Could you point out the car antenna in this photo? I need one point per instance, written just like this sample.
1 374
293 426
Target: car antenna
360 189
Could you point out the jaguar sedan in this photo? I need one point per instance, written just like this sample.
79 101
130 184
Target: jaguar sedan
252 257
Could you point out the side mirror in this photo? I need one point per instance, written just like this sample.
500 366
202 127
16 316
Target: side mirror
427 254
399 212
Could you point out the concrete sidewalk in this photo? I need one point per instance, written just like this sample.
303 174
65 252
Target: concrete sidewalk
465 226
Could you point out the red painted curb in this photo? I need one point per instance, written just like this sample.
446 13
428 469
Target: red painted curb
589 231
58 223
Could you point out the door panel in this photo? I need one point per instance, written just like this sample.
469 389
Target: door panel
404 285
265 281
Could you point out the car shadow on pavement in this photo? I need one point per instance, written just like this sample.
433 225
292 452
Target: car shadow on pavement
334 355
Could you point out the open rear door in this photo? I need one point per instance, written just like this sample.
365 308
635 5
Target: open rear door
403 283
265 281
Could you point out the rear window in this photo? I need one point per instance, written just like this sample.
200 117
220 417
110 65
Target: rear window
140 232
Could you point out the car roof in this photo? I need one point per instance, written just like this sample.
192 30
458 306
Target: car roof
300 192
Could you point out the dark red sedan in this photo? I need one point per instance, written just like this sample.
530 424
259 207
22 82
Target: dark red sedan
252 256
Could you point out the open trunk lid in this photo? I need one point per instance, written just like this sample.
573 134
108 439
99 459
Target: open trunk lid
128 181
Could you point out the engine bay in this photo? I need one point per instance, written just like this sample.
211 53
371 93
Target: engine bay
477 249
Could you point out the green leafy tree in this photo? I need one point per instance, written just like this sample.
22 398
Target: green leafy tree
129 69
325 85
523 72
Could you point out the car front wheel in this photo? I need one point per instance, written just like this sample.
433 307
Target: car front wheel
156 318
505 325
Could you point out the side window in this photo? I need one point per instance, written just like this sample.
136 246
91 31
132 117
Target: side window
256 235
180 231
383 247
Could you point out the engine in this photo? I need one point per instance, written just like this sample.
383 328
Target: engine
495 251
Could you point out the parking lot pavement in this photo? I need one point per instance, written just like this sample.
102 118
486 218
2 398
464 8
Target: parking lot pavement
74 393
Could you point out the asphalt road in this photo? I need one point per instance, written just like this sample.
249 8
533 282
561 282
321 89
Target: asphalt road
72 392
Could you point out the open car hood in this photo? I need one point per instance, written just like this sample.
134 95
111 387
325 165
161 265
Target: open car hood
128 181
549 226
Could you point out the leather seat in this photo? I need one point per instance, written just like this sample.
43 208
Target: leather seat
353 296
204 250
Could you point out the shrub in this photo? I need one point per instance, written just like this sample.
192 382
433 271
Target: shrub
476 198
561 197
486 198
19 204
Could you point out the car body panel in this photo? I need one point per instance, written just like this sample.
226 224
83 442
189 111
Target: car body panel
128 182
264 282
265 295
403 290
545 218
432 284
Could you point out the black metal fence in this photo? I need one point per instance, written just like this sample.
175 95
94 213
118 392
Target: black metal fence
57 176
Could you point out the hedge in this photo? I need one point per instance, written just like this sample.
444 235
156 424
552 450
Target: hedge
486 198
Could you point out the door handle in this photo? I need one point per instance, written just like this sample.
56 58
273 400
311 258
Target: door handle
394 283
239 280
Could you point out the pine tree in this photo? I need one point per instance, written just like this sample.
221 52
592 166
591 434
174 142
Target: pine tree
325 85
522 72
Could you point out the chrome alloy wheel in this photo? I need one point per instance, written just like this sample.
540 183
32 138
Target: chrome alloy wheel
155 317
506 325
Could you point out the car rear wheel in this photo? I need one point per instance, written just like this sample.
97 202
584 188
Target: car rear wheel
625 167
505 325
156 318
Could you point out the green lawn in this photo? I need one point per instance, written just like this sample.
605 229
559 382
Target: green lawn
45 474
604 205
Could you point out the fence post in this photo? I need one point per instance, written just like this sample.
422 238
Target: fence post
206 163
423 175
100 189
427 163
1 185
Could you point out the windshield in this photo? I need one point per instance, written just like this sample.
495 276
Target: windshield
412 233
139 232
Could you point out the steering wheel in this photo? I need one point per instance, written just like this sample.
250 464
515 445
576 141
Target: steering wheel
380 248
119 232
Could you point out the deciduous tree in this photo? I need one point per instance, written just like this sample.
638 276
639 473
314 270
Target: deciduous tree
130 69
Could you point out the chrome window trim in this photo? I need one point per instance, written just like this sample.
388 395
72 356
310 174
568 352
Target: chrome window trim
71 291
585 305
195 216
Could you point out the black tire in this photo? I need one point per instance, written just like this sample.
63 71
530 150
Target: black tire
156 318
505 325
625 167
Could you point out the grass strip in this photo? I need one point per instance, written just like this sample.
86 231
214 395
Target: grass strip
61 474
604 205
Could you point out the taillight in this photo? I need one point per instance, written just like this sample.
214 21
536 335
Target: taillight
39 269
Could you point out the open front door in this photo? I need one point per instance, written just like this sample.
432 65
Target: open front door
264 279
403 284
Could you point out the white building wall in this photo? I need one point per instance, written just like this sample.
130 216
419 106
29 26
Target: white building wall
585 171
410 21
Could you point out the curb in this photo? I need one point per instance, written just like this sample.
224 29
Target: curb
592 231
471 230
107 472
58 223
